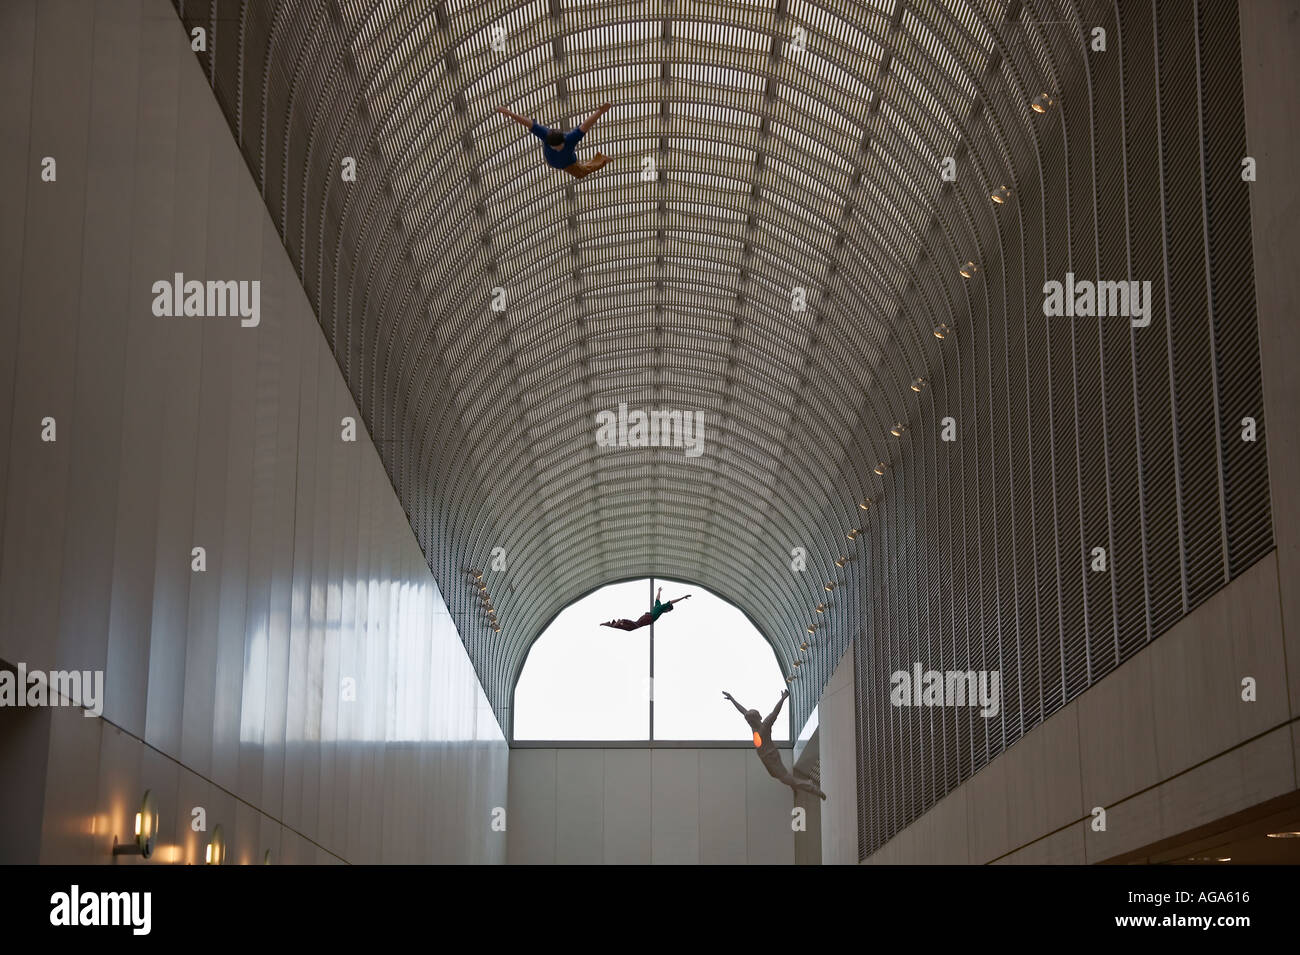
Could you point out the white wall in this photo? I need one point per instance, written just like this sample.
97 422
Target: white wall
647 806
222 687
1270 73
838 747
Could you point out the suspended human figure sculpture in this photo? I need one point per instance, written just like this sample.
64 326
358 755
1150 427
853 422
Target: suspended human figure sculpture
768 754
647 618
558 146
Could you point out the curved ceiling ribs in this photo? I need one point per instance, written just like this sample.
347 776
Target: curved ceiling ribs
778 169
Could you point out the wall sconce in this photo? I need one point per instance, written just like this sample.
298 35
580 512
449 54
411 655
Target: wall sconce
146 830
215 854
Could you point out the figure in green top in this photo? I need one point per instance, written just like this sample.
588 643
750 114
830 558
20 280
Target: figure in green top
646 618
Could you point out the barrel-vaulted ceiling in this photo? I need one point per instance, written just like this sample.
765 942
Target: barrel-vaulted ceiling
773 246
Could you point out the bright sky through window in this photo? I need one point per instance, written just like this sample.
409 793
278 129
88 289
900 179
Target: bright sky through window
583 681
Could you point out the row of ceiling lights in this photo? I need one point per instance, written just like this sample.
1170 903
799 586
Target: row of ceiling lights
488 610
1000 196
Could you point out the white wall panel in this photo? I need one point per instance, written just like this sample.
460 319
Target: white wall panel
579 806
626 806
837 742
724 808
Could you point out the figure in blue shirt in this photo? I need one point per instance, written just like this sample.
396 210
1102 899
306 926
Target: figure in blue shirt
558 146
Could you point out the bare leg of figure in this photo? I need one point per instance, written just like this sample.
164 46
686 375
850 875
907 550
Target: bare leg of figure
805 785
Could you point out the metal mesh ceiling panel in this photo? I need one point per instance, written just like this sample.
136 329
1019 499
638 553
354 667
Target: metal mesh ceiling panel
798 149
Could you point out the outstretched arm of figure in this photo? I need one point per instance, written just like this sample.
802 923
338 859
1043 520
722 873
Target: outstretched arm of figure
590 121
740 709
771 717
678 600
521 120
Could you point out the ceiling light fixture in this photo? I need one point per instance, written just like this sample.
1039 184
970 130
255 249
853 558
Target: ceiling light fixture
942 330
1284 835
1042 103
821 608
1000 195
918 384
968 270
881 468
865 504
898 429
853 534
830 586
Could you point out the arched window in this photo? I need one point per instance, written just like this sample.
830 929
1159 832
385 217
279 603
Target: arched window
582 681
